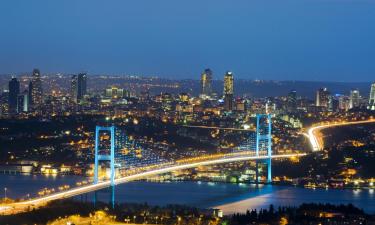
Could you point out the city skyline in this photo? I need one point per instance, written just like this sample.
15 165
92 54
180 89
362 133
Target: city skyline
310 40
187 113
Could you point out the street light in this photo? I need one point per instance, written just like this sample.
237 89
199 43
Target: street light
5 193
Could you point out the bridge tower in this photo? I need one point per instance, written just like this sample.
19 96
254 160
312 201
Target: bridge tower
105 157
264 141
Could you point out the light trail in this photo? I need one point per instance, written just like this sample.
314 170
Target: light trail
317 142
219 128
93 187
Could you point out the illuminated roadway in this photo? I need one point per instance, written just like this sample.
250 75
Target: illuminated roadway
317 142
219 128
234 157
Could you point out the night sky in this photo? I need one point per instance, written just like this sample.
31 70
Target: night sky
329 40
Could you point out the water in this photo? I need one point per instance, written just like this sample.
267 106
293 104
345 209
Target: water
229 197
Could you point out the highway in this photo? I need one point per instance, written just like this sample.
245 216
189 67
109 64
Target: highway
317 141
233 157
219 128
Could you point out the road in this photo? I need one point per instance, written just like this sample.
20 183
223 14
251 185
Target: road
20 206
317 141
219 128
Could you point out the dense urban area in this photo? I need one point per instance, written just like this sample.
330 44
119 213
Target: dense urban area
47 126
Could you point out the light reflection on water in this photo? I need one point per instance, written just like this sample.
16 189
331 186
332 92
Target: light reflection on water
229 197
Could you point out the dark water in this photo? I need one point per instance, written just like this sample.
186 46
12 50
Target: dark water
230 197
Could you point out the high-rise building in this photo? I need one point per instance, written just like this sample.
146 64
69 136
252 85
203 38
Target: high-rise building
14 91
322 97
333 103
292 101
354 99
4 98
228 91
206 83
73 88
371 103
36 90
78 87
23 102
343 102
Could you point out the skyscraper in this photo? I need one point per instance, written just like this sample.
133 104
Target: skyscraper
23 102
73 88
322 97
36 90
344 102
228 91
78 86
292 101
355 99
14 91
206 83
371 103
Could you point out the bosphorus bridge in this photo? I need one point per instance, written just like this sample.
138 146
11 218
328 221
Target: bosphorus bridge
128 161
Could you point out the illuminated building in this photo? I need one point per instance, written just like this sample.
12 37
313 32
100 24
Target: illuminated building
292 101
114 92
355 99
240 105
36 90
228 91
333 103
78 87
23 102
371 105
206 83
343 102
184 97
322 97
14 90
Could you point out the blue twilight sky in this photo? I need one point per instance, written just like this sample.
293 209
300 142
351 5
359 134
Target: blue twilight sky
331 40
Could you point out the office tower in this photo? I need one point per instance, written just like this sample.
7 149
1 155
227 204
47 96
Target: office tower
30 93
354 99
206 83
343 102
23 102
333 103
292 101
371 103
36 90
228 91
78 87
322 97
14 91
73 88
4 98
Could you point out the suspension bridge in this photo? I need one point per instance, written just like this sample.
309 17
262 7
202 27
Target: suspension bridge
127 161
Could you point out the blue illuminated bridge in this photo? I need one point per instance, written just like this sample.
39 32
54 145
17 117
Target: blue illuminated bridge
128 161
